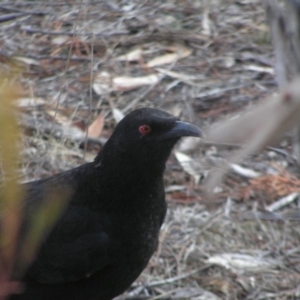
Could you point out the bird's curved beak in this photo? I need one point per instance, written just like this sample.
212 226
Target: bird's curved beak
183 129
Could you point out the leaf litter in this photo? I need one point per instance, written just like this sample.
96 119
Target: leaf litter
91 63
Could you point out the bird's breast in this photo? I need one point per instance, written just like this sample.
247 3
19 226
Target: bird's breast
136 228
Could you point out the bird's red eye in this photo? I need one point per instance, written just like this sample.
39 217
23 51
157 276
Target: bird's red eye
145 129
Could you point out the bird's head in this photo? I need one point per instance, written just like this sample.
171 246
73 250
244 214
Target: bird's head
147 136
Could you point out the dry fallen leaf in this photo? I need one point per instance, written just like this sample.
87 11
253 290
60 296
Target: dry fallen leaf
176 75
59 40
188 144
206 23
95 129
134 55
241 263
259 69
27 61
180 52
189 165
59 117
29 102
118 115
103 83
282 202
245 172
130 83
106 83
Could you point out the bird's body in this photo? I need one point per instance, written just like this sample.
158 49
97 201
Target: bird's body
110 227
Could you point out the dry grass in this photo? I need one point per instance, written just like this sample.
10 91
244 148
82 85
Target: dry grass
225 247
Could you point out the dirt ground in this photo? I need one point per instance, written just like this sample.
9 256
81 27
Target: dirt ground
84 64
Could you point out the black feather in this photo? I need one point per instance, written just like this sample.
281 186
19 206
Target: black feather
116 205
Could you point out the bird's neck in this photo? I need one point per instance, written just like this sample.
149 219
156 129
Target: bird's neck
131 163
137 181
127 167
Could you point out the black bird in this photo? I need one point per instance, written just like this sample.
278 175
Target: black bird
109 229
